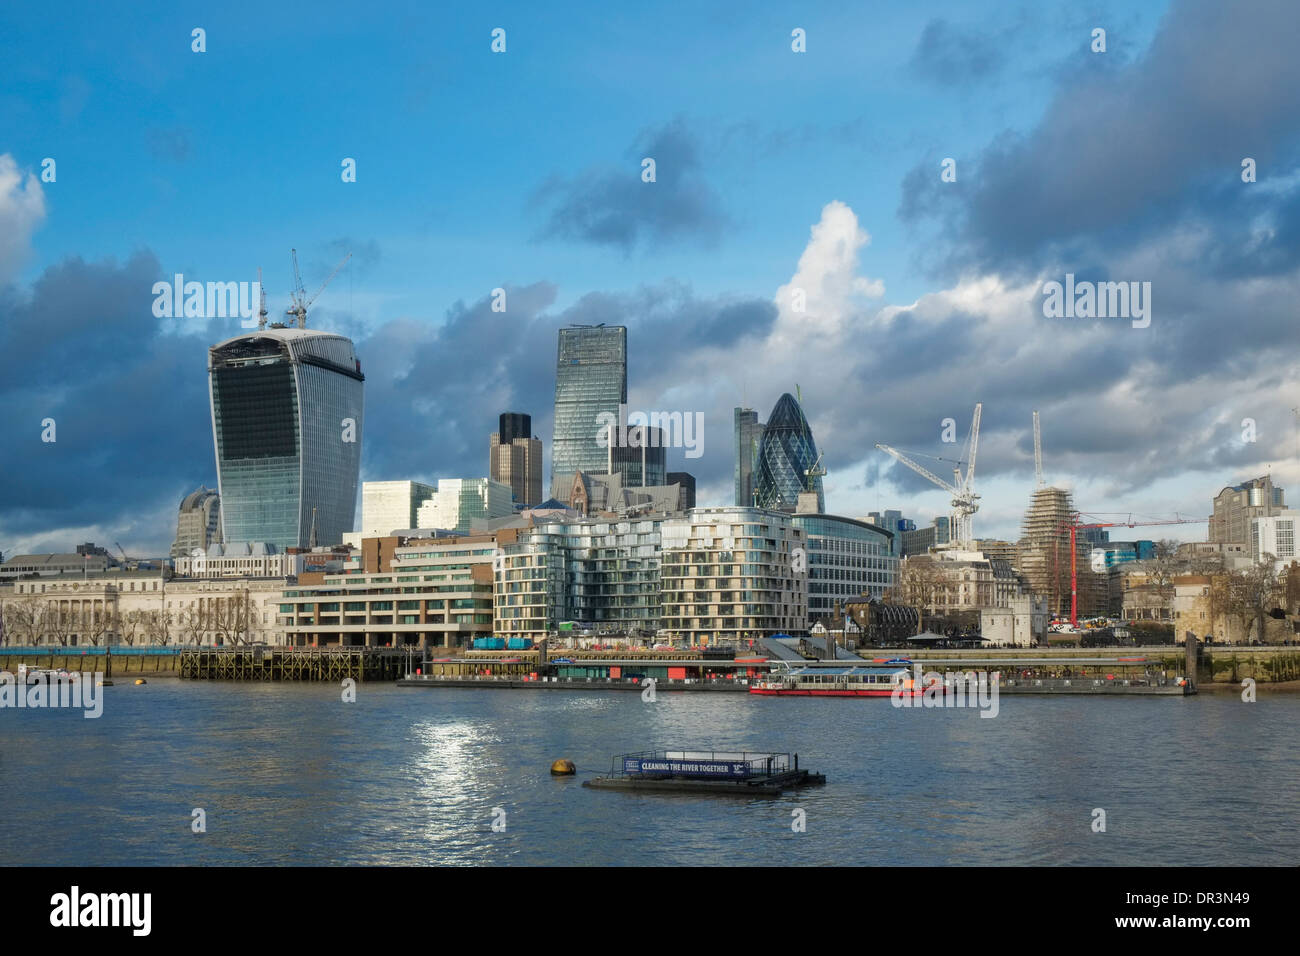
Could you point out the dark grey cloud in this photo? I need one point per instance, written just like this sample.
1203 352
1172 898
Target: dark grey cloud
611 205
1123 154
128 398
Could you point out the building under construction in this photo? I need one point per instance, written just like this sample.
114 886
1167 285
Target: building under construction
1044 555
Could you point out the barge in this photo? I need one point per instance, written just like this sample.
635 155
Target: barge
744 773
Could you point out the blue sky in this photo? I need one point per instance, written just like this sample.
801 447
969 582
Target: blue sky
522 170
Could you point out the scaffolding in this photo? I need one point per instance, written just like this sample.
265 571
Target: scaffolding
1044 555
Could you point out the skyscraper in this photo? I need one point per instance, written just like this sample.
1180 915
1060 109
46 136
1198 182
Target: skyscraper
515 458
590 378
287 409
748 433
198 523
785 453
640 456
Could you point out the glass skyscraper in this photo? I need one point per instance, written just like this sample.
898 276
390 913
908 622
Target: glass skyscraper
287 409
748 433
590 378
785 453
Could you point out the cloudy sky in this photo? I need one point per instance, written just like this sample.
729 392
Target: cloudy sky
777 173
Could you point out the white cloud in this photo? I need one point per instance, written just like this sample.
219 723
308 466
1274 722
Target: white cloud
22 209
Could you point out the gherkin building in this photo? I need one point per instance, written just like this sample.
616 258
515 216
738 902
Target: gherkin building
785 452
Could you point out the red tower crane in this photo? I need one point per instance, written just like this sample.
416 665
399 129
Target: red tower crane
1074 527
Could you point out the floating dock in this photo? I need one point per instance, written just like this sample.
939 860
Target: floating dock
743 774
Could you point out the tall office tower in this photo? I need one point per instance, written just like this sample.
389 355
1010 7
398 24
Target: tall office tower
388 506
786 452
514 425
748 433
639 456
287 408
1236 507
515 458
686 481
590 378
198 523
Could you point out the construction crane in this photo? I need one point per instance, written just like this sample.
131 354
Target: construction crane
126 562
261 312
1074 526
298 298
962 488
1038 452
813 473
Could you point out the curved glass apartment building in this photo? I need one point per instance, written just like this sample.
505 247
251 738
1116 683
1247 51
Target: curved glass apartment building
847 560
785 452
288 461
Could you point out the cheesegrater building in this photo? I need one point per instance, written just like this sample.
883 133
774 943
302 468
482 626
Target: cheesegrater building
590 378
287 410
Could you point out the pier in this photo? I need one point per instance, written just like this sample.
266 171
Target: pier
313 664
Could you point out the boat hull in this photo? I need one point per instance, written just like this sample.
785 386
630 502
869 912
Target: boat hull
828 692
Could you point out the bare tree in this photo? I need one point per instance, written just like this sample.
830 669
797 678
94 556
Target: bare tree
156 628
230 618
193 623
57 624
130 626
918 584
23 620
1262 591
1247 596
97 623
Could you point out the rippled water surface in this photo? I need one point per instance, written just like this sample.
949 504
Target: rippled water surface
291 774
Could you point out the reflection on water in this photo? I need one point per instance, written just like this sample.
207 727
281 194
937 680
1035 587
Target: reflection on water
290 774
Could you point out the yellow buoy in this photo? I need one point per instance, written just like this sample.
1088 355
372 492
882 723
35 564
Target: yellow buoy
563 768
140 680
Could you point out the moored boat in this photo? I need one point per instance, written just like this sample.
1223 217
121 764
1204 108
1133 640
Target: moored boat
884 679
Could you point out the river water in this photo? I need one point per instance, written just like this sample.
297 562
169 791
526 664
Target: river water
291 774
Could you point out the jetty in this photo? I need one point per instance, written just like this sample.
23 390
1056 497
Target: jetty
742 774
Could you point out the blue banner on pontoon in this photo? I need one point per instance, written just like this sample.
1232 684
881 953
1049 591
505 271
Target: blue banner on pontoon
692 768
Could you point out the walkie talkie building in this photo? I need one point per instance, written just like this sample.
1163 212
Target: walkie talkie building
287 409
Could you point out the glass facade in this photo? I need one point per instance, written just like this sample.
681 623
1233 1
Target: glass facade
785 452
388 506
846 560
601 573
459 501
731 575
643 460
590 378
748 432
285 458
